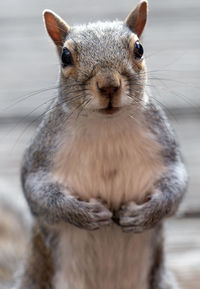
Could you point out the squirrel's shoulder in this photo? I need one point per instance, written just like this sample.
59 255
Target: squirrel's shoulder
159 125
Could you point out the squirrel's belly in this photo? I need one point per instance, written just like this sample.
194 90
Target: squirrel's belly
106 258
116 168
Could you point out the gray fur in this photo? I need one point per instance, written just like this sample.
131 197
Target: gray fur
101 47
169 190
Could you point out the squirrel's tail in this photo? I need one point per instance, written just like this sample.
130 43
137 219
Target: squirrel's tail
14 235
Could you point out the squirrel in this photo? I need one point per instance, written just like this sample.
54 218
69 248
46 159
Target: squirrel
104 169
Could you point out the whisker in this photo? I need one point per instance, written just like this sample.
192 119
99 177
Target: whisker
25 97
29 95
77 97
166 109
42 115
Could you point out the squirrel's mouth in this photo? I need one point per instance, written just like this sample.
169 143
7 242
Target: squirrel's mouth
109 109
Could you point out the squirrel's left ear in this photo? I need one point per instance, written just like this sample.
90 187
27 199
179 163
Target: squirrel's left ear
136 20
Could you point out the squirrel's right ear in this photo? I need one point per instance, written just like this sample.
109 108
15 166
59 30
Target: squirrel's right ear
136 20
56 27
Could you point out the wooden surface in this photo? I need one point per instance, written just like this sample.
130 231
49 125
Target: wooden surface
28 63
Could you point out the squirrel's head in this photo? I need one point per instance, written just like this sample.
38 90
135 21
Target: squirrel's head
102 64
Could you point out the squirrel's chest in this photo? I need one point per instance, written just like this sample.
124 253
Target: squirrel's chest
114 163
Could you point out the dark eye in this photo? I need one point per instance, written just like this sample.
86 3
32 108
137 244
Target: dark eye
66 57
138 50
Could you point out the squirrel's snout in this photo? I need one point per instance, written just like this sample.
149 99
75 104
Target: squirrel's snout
108 84
109 90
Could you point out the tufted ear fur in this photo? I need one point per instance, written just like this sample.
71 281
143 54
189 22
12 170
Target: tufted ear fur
136 20
56 27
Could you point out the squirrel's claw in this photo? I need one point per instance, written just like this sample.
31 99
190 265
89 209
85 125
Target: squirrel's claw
90 215
138 218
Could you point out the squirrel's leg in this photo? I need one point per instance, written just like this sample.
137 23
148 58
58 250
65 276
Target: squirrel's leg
38 271
164 279
163 203
160 277
51 203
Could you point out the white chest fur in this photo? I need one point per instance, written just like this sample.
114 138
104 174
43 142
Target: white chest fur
115 159
103 259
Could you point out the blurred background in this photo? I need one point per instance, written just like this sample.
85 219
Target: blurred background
28 74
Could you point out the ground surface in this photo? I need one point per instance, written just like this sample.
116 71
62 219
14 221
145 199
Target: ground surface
172 44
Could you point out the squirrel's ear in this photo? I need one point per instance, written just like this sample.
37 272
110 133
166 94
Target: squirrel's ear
136 20
56 27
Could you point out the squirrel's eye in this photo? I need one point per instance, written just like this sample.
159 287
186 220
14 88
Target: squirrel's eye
138 50
66 57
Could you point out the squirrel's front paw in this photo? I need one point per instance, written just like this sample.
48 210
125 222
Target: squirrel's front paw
89 215
137 218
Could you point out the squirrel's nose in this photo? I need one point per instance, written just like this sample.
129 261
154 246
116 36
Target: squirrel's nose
108 91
